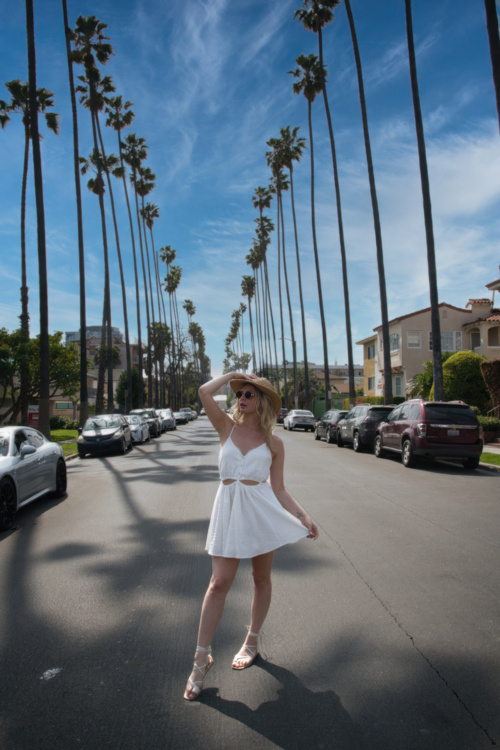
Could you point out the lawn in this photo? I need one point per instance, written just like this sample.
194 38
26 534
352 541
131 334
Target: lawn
59 435
490 458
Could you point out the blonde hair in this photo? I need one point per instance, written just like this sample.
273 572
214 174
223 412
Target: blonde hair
264 410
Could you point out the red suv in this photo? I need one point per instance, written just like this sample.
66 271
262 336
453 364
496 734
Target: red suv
431 429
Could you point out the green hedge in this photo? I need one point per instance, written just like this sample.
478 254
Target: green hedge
490 424
63 423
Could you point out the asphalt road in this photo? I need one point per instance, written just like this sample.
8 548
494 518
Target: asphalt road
383 634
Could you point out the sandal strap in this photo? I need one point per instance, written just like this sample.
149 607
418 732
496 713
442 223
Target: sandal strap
207 649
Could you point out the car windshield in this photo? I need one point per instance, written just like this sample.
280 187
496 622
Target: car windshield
302 413
133 419
148 414
102 423
450 413
4 445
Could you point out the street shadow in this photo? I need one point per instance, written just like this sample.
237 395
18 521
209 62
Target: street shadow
299 718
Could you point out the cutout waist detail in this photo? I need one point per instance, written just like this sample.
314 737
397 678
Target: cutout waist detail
248 482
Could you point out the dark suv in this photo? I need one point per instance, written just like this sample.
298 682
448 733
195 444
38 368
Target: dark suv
360 424
326 426
431 429
151 418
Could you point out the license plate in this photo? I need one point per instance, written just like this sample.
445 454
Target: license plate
453 433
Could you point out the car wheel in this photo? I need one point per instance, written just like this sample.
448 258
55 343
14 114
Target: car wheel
340 442
123 446
317 436
408 457
329 436
8 504
377 447
61 478
471 463
356 443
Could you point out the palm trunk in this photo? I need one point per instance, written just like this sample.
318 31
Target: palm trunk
292 330
388 396
350 364
155 353
148 322
316 260
426 198
25 330
136 276
283 348
84 398
307 404
44 401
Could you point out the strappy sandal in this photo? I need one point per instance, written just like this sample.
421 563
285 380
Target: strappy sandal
241 655
196 686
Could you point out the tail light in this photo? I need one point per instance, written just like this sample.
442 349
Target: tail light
422 429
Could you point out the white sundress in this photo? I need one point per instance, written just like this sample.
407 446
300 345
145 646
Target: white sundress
248 520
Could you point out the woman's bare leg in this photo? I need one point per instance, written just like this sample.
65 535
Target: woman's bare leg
223 573
261 571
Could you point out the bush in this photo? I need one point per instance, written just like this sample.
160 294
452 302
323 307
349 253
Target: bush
63 423
490 424
463 380
491 375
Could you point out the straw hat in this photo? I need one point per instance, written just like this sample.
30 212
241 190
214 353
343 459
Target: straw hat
263 385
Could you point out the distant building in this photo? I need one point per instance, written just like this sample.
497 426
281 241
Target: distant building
475 327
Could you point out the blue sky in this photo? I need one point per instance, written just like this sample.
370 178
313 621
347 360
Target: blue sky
209 83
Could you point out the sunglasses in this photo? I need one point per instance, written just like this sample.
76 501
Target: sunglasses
247 394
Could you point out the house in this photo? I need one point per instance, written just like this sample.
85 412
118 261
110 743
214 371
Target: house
475 327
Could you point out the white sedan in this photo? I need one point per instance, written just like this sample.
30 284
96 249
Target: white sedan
139 428
30 466
299 418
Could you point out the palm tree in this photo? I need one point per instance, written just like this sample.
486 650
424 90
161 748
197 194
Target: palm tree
96 186
248 291
84 397
121 116
310 84
388 396
172 281
91 46
149 212
20 102
168 255
143 184
314 16
133 152
44 402
494 42
426 197
290 148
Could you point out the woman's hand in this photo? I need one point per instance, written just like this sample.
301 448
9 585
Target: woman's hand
307 521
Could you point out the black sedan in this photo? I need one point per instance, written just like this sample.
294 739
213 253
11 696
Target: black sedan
326 426
106 433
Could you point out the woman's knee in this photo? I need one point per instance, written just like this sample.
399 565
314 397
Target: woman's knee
261 580
219 585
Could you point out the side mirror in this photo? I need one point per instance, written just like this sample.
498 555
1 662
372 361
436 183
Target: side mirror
27 450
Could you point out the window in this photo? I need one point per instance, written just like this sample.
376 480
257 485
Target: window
371 351
397 386
414 339
451 341
371 384
415 411
405 411
64 405
493 336
394 339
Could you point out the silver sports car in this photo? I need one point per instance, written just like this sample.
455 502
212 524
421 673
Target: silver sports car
30 466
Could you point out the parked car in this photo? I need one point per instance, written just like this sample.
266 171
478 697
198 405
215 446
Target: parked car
188 412
30 466
138 428
299 418
167 419
431 429
326 426
281 415
151 418
181 417
194 413
105 433
360 424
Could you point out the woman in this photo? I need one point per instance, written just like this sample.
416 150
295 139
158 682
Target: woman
251 517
